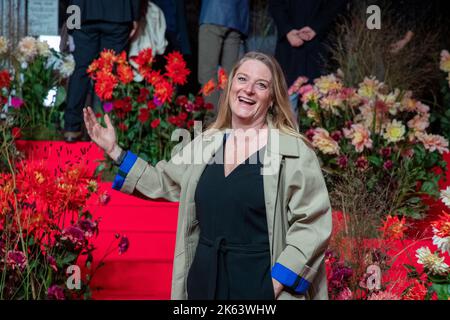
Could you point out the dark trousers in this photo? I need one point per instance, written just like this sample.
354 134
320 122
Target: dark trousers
90 40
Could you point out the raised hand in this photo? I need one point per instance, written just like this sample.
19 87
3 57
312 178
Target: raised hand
105 138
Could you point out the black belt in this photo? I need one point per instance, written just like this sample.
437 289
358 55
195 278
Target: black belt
219 245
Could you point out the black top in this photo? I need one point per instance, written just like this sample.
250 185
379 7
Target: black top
232 260
119 11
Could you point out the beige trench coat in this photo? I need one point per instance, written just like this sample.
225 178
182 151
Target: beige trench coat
297 205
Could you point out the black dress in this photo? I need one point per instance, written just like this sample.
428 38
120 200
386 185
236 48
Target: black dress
232 260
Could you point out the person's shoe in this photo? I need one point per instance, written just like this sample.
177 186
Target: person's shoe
72 136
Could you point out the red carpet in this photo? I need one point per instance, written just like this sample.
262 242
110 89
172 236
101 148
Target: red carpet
145 270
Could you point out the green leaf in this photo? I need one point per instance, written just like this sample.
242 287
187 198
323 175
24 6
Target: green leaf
31 241
67 260
430 187
100 168
375 160
442 290
60 96
410 267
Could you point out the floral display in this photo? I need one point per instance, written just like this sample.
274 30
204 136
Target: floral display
379 132
147 112
44 229
432 279
37 78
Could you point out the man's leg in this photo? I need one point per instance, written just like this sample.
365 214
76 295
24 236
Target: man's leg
86 50
114 36
210 39
230 52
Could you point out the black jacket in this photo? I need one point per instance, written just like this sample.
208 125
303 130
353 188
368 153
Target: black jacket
108 10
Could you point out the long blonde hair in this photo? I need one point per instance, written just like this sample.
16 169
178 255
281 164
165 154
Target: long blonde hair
281 113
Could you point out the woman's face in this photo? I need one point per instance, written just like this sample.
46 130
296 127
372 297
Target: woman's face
250 96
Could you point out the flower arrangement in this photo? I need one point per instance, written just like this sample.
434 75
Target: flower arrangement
147 111
37 87
45 229
432 281
350 281
376 135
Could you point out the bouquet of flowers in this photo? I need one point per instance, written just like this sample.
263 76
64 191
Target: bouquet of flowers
376 138
147 111
38 86
46 231
433 280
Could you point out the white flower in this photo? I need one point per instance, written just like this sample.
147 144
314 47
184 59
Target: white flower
443 244
64 65
27 48
394 131
445 196
43 48
67 66
431 261
4 45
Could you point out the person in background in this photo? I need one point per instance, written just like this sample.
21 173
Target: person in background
223 26
176 28
150 34
302 27
105 24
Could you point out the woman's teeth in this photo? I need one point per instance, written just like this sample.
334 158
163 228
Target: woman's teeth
246 100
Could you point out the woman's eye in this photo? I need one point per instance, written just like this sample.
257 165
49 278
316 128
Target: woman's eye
261 85
241 79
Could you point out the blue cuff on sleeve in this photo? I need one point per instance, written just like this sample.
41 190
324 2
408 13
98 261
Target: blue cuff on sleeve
124 169
290 279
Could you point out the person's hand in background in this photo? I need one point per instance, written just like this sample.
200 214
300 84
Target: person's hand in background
306 33
294 38
134 30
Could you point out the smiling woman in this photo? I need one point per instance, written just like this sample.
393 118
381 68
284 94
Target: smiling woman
242 232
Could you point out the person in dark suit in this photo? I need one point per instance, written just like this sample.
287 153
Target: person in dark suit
105 24
302 28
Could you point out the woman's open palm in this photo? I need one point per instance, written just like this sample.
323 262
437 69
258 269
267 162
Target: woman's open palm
105 138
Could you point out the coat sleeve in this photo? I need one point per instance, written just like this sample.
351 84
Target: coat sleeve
280 13
309 225
328 12
162 181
